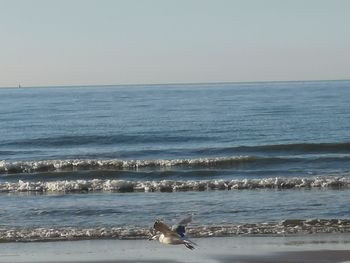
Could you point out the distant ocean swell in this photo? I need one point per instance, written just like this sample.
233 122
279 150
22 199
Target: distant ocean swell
285 227
13 167
62 141
101 185
298 148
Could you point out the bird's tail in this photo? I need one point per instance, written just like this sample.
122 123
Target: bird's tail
188 245
191 242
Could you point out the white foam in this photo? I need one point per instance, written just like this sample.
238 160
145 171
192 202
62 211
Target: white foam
173 186
285 227
113 164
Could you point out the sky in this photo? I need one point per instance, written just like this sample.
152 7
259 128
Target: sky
89 42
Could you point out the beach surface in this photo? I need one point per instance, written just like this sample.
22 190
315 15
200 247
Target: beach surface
313 248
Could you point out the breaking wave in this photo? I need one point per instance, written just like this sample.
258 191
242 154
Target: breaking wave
285 227
15 167
103 185
114 164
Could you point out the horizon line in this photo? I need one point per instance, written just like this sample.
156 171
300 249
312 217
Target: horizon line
169 83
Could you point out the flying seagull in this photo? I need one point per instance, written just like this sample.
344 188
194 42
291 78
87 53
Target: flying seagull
172 236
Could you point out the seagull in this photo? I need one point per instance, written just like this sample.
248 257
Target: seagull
172 236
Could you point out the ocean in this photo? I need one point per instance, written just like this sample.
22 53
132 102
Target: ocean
101 162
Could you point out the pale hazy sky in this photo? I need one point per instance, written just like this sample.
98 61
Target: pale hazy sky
68 42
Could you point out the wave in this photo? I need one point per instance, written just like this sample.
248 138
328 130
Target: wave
114 164
13 167
128 139
293 148
285 227
306 147
76 140
100 185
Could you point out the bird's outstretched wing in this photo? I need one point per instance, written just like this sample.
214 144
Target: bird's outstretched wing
161 227
185 220
180 227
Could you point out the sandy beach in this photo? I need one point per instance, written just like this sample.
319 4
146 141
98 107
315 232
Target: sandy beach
308 249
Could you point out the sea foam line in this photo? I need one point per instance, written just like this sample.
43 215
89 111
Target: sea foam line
72 165
285 227
113 164
104 185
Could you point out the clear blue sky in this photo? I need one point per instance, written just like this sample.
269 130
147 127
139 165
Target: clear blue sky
67 42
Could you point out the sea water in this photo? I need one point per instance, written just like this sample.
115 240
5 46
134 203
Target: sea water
267 158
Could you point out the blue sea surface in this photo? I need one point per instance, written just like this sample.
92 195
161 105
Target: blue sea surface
109 156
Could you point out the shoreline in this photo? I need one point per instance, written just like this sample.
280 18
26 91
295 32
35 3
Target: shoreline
320 248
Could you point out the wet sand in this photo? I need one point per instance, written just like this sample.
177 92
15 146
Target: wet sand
307 249
316 256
